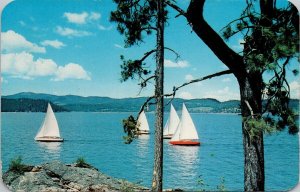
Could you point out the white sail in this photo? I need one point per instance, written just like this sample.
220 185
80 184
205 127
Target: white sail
186 129
172 122
49 127
142 122
176 136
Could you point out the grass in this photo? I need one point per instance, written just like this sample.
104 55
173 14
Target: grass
16 165
80 162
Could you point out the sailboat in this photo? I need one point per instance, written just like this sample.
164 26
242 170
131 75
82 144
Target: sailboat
171 124
142 124
49 131
186 133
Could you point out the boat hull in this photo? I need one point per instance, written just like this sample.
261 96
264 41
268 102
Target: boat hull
143 133
167 136
49 139
185 143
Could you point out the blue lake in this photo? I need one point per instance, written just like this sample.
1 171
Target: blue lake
98 138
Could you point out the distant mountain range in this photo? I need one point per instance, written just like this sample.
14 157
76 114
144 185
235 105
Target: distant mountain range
37 102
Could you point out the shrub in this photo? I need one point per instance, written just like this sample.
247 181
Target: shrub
80 162
16 165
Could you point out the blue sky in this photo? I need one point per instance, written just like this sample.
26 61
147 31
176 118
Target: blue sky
70 47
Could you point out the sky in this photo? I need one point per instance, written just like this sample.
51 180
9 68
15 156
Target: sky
67 47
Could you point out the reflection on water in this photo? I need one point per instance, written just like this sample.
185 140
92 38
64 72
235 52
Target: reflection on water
185 157
186 154
50 147
143 146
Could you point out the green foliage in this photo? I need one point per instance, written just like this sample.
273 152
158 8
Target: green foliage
257 125
228 32
16 165
271 41
134 17
80 162
132 68
130 128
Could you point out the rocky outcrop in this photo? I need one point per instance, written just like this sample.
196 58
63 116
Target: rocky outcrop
58 177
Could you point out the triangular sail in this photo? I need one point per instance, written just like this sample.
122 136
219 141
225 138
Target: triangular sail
172 122
49 127
186 129
142 122
176 136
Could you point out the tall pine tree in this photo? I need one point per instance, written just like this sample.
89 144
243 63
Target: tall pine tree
134 18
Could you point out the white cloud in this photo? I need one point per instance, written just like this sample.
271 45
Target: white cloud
189 77
94 16
71 71
82 18
103 28
295 89
185 95
65 31
178 64
53 43
13 42
78 18
226 80
22 65
119 46
224 94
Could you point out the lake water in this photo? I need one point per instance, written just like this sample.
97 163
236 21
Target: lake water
98 138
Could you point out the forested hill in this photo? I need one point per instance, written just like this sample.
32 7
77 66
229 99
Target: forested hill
28 105
34 102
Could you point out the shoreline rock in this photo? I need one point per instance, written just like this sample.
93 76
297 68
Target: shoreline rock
58 177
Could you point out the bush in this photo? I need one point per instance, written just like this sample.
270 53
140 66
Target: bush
16 165
80 162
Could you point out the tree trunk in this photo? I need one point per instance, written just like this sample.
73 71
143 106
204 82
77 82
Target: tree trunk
158 151
250 91
254 174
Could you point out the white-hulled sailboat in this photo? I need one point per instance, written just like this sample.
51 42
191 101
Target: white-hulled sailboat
186 133
49 131
171 124
142 124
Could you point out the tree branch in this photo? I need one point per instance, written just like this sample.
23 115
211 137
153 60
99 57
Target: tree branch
250 108
211 38
147 54
149 28
178 9
172 50
195 81
145 104
144 82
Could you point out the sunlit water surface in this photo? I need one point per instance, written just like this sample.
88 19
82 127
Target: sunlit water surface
98 138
